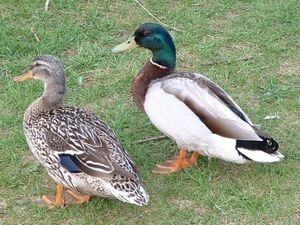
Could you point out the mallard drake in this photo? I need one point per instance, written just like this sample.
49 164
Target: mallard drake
78 150
191 109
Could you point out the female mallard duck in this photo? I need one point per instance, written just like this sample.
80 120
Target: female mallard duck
78 150
191 109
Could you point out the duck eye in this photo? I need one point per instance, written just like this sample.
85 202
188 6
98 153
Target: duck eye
147 32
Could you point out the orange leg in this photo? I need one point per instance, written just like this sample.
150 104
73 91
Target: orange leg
194 158
58 200
80 198
176 164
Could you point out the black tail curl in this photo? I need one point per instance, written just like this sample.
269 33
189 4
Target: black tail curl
268 145
271 144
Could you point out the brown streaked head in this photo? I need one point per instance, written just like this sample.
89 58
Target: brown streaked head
46 68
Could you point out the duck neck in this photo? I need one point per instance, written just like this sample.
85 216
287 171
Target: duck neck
151 71
165 56
52 98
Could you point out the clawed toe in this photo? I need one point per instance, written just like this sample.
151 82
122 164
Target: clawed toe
60 200
177 163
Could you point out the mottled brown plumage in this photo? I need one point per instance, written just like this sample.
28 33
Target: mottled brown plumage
75 146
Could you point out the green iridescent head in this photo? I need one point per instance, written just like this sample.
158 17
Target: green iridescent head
156 38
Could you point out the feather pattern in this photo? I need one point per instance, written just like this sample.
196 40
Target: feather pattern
74 145
203 99
83 153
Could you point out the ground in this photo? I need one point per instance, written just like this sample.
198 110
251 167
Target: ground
214 38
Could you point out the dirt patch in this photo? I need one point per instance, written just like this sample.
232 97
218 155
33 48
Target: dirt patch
184 204
21 202
239 50
106 101
68 53
89 80
124 34
3 133
186 60
29 159
289 68
234 47
219 24
110 100
93 77
3 206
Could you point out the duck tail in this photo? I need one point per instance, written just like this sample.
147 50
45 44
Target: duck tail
138 197
260 151
130 191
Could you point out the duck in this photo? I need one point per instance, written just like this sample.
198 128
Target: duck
191 109
77 149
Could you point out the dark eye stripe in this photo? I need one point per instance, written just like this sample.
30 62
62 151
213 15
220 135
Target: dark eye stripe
34 65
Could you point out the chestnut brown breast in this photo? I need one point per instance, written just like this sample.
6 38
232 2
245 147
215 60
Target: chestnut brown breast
141 82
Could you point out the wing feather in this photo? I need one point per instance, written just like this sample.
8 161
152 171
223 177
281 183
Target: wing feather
90 144
211 104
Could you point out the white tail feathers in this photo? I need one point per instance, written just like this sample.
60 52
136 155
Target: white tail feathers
260 156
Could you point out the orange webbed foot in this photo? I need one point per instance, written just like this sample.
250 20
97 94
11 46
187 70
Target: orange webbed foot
176 164
79 198
57 200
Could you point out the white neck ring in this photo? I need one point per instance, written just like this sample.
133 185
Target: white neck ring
156 64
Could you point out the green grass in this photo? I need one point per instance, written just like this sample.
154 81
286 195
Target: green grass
82 34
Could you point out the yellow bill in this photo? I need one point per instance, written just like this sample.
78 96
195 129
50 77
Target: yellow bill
129 44
24 76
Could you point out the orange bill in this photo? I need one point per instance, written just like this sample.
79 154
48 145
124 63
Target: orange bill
24 76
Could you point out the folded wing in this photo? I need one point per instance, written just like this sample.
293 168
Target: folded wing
211 104
85 144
